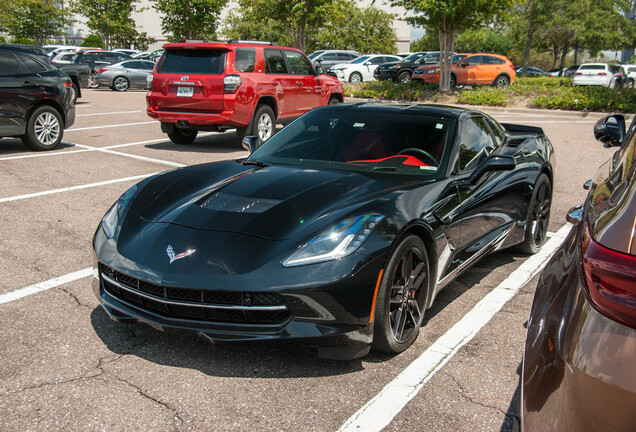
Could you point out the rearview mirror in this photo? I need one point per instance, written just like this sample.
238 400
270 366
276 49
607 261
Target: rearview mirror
491 164
610 130
251 143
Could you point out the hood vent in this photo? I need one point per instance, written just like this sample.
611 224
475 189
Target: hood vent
237 204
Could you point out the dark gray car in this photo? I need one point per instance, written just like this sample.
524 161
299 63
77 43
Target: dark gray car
124 75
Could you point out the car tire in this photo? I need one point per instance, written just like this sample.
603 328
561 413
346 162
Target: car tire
120 83
404 77
401 297
182 136
502 81
629 83
75 93
45 129
333 101
263 123
355 77
453 81
538 216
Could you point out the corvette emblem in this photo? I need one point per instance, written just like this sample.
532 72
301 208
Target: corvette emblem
185 78
174 257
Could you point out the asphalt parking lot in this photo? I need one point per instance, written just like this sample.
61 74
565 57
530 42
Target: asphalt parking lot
64 365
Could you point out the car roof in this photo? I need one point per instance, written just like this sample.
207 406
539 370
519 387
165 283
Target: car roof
217 45
446 111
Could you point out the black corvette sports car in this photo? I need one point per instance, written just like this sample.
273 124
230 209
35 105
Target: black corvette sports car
338 232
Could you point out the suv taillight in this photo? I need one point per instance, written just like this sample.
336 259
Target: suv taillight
610 279
231 83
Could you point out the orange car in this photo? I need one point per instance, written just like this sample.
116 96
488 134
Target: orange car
472 69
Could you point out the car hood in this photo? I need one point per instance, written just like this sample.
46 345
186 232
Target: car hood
276 202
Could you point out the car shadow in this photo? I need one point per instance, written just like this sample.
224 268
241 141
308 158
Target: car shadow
14 147
513 409
262 359
226 142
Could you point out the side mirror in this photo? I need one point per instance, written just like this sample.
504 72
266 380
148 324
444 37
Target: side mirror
251 143
575 215
610 130
320 70
491 164
465 64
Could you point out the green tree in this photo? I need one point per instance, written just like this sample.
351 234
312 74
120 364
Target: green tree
487 39
289 22
110 19
450 17
192 19
36 20
368 30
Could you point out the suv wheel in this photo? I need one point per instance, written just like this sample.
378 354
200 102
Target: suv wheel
502 81
404 77
264 123
182 136
44 129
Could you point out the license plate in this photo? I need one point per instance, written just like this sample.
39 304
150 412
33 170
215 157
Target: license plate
185 91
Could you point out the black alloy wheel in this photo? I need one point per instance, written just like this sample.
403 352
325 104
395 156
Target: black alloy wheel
400 302
538 216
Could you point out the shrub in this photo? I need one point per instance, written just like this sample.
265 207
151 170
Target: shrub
92 41
484 96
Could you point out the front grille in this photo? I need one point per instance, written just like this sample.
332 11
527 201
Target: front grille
198 305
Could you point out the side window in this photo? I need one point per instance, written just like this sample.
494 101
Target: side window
132 64
377 60
31 65
496 61
298 64
8 64
146 65
475 144
245 59
274 62
329 57
497 133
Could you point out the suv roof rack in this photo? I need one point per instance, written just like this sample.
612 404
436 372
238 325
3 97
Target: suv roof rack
192 41
236 41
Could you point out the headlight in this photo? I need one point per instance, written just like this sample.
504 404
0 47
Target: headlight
111 219
338 241
434 70
394 67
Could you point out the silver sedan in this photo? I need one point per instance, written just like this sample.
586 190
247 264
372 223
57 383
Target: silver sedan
124 75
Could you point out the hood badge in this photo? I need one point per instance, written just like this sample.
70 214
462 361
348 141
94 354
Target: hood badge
174 257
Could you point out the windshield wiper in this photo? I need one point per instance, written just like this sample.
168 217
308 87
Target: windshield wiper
255 162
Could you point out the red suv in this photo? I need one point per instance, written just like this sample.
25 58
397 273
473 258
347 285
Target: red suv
250 86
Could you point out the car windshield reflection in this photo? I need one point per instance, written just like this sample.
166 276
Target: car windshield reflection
363 141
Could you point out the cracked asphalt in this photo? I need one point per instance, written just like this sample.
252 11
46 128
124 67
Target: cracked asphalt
64 365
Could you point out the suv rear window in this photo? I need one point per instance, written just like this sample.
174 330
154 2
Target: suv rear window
196 61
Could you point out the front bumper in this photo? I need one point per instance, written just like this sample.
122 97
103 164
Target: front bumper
384 74
329 313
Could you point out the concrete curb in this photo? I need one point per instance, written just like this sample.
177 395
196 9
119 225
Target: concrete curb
589 115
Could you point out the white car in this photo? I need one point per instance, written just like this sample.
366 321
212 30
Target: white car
361 69
64 57
594 74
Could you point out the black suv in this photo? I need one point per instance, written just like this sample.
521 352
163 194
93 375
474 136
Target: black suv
36 100
402 71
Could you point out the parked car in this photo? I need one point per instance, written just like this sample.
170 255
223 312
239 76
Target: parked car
420 74
36 99
476 69
353 218
52 50
594 74
630 72
531 71
569 72
248 86
328 58
124 75
63 57
128 51
578 372
402 70
361 68
98 59
149 55
79 74
554 73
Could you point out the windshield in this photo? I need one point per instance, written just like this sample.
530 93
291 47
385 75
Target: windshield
361 140
413 57
360 59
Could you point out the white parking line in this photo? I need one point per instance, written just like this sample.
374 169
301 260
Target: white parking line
133 156
73 188
380 411
46 285
108 113
110 126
